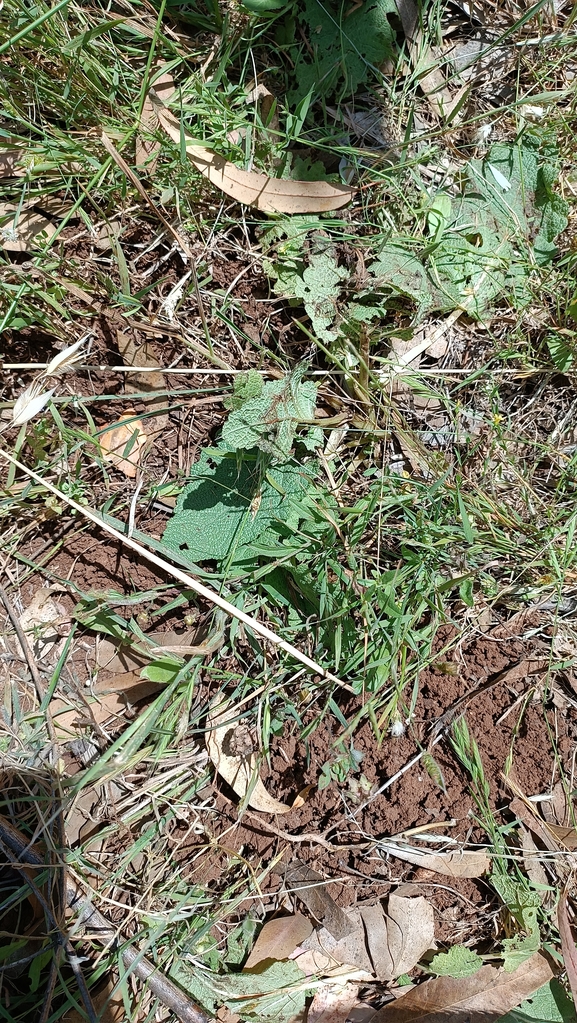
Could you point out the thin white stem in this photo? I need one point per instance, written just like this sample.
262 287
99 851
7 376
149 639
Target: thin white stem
188 580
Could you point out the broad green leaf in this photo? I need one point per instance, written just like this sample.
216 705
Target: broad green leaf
457 962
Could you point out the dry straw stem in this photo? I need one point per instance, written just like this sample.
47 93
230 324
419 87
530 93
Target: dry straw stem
204 591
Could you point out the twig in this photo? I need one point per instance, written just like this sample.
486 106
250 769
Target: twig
306 837
204 591
165 990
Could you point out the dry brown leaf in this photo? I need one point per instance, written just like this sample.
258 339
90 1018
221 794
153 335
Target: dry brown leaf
147 150
240 771
349 951
120 657
144 383
70 720
397 940
312 889
10 165
314 962
24 232
483 998
463 863
122 444
46 624
332 1004
272 195
279 938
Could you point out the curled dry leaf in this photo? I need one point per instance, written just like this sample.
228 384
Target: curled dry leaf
398 939
333 1004
23 231
122 444
462 863
272 195
238 770
279 938
482 998
147 149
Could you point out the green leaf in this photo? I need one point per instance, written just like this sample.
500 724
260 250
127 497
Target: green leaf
228 504
457 962
347 46
550 1004
274 995
246 386
270 421
263 6
163 671
523 902
560 350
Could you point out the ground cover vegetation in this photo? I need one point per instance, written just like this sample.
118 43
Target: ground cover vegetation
287 604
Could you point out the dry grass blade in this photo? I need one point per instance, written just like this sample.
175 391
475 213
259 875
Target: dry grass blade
567 945
164 989
272 195
204 591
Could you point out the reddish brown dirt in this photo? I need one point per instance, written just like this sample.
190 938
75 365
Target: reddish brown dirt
328 831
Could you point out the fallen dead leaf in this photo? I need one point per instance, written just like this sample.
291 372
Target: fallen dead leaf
482 998
70 720
122 657
40 622
240 771
332 1004
384 944
147 149
311 888
279 938
25 231
398 938
144 383
314 962
463 863
122 444
10 163
272 195
350 951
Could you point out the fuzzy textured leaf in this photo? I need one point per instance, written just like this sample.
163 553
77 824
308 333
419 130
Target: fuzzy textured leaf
270 420
228 504
343 46
457 962
276 995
